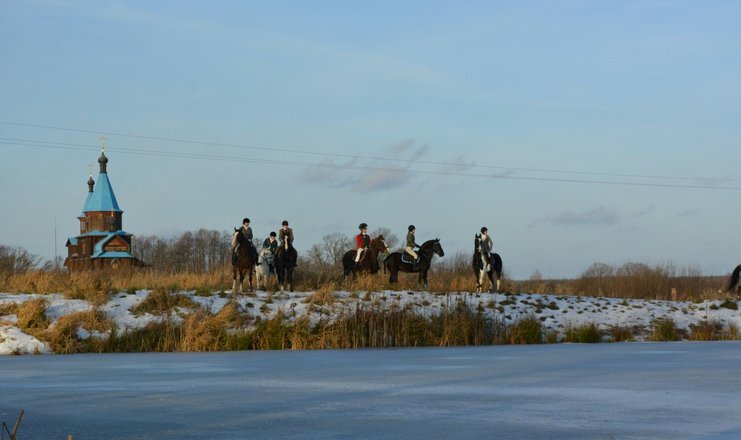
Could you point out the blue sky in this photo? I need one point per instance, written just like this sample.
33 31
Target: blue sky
451 117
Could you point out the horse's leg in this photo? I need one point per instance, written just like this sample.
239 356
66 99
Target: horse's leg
234 282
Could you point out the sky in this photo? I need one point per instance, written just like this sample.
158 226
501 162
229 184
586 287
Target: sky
576 131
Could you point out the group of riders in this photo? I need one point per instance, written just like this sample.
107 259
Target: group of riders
285 238
273 244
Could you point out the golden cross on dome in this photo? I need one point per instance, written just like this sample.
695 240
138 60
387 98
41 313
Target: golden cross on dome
102 140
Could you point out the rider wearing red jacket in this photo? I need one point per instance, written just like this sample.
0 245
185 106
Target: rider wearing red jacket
362 241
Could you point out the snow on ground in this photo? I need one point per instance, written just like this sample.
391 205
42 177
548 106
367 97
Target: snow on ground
14 341
554 311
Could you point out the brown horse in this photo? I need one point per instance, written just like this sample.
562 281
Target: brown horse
246 260
368 261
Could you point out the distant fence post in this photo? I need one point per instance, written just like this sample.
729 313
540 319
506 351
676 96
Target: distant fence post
674 293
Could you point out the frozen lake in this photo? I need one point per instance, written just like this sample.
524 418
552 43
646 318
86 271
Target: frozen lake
627 390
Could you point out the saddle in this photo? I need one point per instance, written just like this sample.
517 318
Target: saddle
406 258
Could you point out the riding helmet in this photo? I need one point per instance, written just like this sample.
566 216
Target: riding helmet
285 222
411 228
273 234
363 226
484 229
245 220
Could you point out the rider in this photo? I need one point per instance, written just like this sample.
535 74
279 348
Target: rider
270 243
285 235
362 241
246 231
487 245
410 245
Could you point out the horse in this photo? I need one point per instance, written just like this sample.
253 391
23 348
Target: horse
265 268
368 260
285 259
478 263
398 261
246 259
734 285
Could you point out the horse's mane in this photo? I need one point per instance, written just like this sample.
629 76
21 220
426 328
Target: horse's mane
430 242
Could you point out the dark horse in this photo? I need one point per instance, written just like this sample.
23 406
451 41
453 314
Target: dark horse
398 261
734 286
246 260
368 261
493 260
285 260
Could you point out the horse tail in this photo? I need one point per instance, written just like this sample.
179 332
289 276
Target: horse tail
497 262
734 278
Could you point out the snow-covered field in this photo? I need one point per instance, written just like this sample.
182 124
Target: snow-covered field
555 312
678 390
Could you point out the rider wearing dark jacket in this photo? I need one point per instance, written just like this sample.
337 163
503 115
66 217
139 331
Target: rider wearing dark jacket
410 245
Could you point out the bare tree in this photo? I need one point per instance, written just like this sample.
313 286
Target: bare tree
392 240
16 260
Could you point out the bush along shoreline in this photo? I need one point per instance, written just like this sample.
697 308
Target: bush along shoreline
163 319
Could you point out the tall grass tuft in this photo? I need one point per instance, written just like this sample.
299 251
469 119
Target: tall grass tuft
621 334
64 337
32 316
664 330
527 330
161 301
584 333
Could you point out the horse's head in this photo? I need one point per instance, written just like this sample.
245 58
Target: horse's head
432 246
378 244
477 243
241 239
437 248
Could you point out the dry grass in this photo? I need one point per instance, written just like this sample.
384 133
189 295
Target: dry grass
322 296
709 330
621 334
63 337
205 332
162 302
32 316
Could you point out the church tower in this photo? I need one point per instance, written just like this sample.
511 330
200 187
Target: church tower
102 243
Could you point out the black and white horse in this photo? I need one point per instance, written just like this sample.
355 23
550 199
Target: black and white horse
480 263
734 285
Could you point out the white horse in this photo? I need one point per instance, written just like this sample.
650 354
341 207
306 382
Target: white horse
734 285
265 268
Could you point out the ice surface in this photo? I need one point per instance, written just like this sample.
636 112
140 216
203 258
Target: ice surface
627 390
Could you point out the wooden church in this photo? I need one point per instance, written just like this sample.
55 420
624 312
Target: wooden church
102 243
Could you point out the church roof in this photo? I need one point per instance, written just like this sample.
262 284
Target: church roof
102 198
86 205
99 252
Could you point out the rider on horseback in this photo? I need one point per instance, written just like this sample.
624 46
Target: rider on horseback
285 235
270 243
362 242
410 245
246 231
487 245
